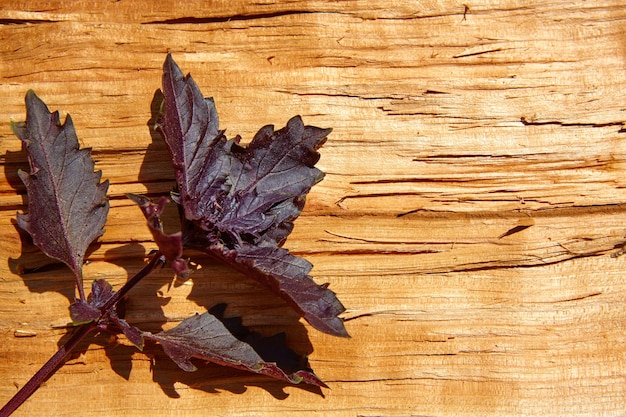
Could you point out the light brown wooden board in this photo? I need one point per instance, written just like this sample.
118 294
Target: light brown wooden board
471 217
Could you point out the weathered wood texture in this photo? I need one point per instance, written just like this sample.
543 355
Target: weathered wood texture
471 217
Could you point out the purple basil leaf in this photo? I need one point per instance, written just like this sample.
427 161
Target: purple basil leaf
189 126
91 310
205 337
101 292
242 201
134 335
67 204
171 246
82 312
288 276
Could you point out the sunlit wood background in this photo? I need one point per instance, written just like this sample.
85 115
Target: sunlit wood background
472 217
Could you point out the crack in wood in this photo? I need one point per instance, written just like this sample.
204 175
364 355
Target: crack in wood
382 242
514 230
578 298
345 95
226 19
468 54
26 21
540 212
527 122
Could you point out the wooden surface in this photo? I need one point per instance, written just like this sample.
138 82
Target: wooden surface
471 219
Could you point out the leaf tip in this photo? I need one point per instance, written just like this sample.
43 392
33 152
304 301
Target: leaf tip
22 221
34 102
140 200
31 95
171 67
179 266
333 326
18 128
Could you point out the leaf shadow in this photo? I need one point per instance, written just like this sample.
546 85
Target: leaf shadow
155 172
142 307
120 355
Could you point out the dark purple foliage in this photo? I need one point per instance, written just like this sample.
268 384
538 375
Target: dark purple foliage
67 204
171 246
96 309
238 202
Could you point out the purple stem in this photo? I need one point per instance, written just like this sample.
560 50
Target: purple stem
157 259
79 334
79 285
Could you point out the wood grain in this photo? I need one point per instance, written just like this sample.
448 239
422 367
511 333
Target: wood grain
471 218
